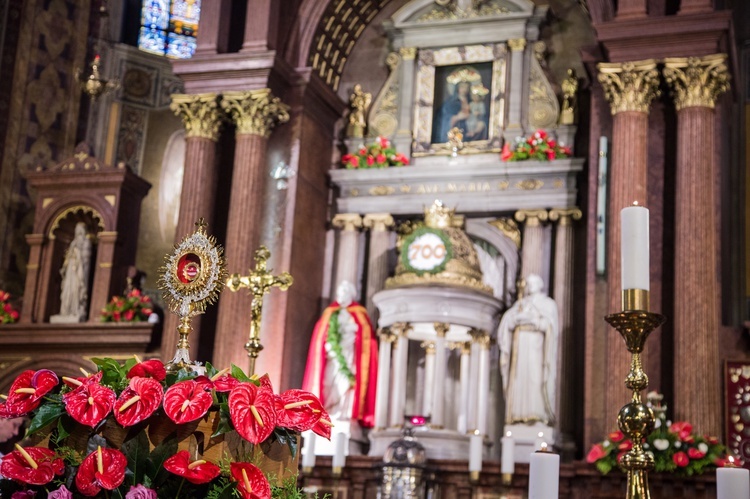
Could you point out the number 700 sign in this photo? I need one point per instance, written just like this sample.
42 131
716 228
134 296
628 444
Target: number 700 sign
426 250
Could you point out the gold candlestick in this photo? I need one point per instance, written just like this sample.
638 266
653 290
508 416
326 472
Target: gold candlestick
636 420
259 282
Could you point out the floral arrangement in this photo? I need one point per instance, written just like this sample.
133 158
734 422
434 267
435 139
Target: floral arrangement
134 307
676 449
379 154
8 314
539 147
81 419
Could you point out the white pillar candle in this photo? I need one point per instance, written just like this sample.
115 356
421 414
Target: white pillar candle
339 456
308 456
732 483
475 452
635 256
508 460
544 475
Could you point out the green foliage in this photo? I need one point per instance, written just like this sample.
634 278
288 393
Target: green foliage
46 415
334 340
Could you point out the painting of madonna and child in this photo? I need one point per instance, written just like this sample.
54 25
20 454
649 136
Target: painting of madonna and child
462 100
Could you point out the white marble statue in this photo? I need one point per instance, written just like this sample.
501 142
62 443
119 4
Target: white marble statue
74 294
528 336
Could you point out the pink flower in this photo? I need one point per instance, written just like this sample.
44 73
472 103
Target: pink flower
550 154
140 492
362 151
683 429
616 436
695 453
680 459
380 158
597 452
383 142
540 134
129 315
61 493
370 160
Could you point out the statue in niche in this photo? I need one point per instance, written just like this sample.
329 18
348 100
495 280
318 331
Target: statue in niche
342 362
74 295
359 103
569 88
528 335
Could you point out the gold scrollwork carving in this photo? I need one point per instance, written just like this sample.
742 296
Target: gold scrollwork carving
517 44
408 53
347 221
255 112
629 86
199 113
73 209
441 328
697 81
381 190
529 184
509 228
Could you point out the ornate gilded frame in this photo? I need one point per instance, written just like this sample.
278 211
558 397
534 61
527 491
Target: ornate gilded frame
428 60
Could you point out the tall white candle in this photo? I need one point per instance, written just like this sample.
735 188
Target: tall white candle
635 257
475 452
544 475
732 483
339 456
507 459
308 456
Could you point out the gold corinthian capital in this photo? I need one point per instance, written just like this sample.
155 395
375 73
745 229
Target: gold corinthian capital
199 113
629 86
697 81
255 112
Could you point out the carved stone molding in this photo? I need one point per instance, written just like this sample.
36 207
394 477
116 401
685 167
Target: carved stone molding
697 81
378 222
629 86
347 221
255 112
531 218
565 215
408 53
199 113
517 44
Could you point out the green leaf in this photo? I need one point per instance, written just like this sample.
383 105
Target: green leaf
113 374
45 415
210 370
137 451
239 374
161 453
288 438
225 421
62 432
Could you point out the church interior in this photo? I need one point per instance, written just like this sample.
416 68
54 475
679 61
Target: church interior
481 232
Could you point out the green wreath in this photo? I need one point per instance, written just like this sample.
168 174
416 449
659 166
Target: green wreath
334 339
412 237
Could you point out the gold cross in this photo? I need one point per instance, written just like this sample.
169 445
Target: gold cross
259 282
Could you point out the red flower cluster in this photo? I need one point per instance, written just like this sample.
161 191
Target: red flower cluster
379 154
135 307
8 314
538 147
27 391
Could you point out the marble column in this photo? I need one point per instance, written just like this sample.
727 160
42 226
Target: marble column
482 387
515 89
255 114
437 421
398 386
387 337
402 139
347 249
429 378
258 26
377 264
562 292
29 313
629 87
475 351
465 386
696 84
533 242
201 118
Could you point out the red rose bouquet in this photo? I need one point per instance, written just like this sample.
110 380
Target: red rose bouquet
8 314
676 449
379 154
80 420
538 147
135 307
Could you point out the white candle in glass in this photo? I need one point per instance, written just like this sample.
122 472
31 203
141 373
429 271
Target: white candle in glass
508 460
308 456
732 483
339 456
635 257
475 452
544 475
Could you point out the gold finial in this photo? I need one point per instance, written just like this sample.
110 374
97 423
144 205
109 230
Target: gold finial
439 216
258 282
455 139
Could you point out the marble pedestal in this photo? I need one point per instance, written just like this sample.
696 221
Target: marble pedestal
438 444
527 439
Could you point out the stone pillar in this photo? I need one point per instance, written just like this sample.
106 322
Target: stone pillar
465 386
696 83
258 26
629 87
482 339
562 292
532 246
255 113
214 27
629 9
515 89
403 138
35 242
202 120
428 393
347 249
475 351
437 421
377 264
398 387
384 378
102 270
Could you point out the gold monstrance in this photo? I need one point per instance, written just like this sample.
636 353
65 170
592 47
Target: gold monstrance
259 282
191 278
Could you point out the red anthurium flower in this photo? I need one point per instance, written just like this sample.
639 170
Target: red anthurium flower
680 459
597 452
683 429
251 482
252 411
152 368
187 400
102 469
297 410
32 465
265 382
694 453
616 436
27 390
197 472
324 425
89 403
223 382
138 401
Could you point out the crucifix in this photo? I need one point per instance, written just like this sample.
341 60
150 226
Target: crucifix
258 282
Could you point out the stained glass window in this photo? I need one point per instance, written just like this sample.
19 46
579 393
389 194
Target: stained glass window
169 27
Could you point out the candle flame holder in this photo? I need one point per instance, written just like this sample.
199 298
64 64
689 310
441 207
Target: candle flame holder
636 419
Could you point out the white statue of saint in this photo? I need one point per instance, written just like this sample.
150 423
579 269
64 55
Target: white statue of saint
74 294
528 336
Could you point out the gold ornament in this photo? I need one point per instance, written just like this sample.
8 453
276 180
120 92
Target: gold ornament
570 89
565 215
199 113
629 86
255 112
359 103
517 44
697 81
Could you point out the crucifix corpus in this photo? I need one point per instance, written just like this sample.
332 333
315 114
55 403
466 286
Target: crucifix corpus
258 282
